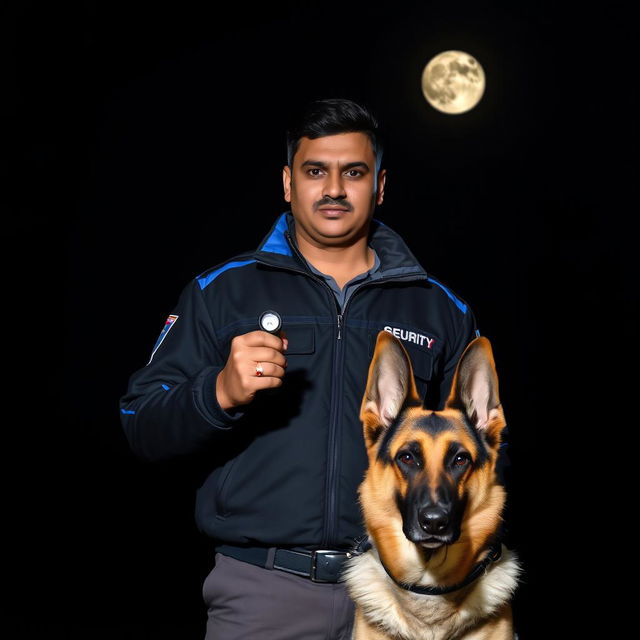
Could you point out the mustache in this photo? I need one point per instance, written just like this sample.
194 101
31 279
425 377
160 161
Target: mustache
327 201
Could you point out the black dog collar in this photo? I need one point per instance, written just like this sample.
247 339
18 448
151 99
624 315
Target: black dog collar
494 554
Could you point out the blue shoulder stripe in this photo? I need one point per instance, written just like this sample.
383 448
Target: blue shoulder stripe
205 281
276 242
461 305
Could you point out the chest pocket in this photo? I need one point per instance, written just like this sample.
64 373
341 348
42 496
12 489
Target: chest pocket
421 361
302 339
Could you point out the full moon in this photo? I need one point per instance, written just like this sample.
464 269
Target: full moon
453 82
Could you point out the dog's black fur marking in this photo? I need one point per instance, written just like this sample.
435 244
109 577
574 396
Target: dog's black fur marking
481 443
383 451
433 424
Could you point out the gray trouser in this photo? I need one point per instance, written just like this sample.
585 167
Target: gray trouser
248 602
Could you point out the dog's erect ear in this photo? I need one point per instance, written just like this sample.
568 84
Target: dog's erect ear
475 388
389 386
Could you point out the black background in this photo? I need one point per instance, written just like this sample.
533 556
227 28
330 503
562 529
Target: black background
150 147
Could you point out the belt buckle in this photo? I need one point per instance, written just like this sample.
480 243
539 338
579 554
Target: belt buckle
325 565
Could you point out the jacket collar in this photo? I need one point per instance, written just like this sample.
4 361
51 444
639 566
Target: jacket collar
278 248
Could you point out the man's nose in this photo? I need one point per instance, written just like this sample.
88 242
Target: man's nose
334 186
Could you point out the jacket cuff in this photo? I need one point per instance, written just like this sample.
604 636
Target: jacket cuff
207 402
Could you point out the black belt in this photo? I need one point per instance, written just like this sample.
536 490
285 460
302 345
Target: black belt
324 565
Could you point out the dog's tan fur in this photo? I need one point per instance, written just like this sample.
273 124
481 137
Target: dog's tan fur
481 610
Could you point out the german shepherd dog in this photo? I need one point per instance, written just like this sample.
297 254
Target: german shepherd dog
432 506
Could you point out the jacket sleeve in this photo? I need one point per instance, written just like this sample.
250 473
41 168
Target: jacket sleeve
170 407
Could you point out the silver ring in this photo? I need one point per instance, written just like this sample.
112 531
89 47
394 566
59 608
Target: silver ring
259 369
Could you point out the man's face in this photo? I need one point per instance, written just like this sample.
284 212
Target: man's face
333 188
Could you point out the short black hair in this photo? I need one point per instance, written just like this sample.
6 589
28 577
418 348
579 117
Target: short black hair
330 117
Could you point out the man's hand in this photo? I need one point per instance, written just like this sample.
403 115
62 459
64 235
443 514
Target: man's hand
237 383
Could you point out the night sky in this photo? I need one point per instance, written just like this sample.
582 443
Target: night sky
150 145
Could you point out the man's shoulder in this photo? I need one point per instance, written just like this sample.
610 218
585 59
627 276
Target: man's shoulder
273 243
212 274
452 298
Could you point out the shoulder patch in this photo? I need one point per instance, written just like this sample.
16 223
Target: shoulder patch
163 334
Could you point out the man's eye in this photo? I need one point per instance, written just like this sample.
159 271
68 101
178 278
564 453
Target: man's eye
314 172
354 173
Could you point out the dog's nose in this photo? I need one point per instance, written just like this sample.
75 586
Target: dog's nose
434 520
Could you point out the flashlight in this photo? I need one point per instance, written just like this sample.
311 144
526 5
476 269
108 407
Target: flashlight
270 321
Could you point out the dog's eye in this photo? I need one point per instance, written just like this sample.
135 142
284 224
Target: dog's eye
461 460
407 458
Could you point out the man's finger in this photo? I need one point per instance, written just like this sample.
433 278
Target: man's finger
267 369
265 354
265 382
261 339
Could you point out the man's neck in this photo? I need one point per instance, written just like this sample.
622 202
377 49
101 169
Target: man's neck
341 263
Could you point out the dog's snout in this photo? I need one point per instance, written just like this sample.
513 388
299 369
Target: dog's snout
434 520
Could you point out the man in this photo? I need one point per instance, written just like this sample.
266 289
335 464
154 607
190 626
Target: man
277 413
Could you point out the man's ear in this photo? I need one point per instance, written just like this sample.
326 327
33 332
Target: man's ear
390 387
286 182
382 179
474 390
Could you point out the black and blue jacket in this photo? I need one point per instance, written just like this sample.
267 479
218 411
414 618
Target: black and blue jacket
284 471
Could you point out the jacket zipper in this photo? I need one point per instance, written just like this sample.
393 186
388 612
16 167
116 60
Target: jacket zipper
329 537
330 519
331 492
329 532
